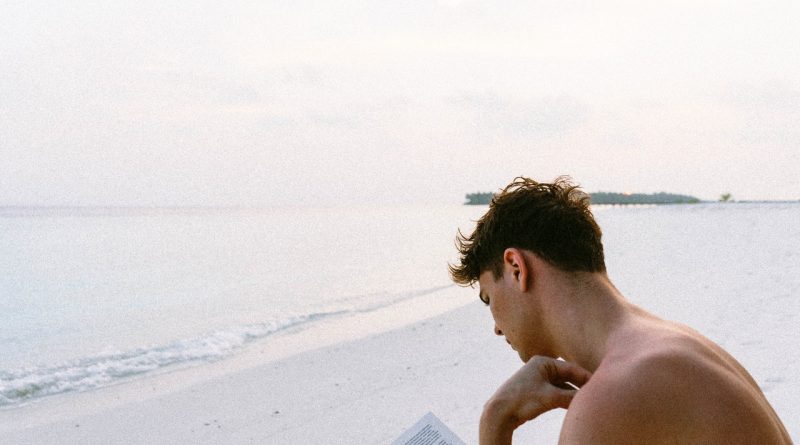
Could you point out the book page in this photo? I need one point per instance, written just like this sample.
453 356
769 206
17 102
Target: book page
428 430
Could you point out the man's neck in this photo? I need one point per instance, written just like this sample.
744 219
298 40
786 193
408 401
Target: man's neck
585 311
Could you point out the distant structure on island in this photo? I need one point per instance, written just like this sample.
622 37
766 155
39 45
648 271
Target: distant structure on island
483 198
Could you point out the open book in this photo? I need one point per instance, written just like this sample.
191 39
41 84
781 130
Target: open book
428 430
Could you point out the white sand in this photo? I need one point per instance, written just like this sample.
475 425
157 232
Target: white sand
366 390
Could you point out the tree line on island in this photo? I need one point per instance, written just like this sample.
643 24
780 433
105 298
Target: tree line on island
483 198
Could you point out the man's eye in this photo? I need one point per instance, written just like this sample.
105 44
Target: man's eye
484 299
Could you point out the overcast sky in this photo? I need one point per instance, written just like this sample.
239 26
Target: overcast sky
279 102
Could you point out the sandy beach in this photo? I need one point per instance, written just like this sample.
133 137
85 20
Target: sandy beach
359 386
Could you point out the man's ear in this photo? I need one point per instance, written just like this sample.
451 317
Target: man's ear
518 268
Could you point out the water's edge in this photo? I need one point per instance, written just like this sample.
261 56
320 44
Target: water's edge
20 386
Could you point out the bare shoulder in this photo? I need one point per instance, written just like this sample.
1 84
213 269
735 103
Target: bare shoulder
632 402
679 389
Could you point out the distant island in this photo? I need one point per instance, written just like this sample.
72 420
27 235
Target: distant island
483 198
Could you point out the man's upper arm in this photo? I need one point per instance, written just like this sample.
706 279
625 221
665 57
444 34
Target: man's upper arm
622 409
595 417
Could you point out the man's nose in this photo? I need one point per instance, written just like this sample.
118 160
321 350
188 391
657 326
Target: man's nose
497 330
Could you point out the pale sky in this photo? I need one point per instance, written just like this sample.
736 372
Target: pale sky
354 101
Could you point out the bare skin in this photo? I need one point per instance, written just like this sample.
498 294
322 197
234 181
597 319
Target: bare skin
642 379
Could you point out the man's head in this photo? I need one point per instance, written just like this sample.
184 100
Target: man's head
551 220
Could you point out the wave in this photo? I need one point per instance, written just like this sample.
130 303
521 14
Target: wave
19 386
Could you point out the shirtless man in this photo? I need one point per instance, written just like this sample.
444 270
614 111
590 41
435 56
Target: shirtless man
538 258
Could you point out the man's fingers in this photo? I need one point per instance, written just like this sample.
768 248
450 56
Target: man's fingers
572 373
561 398
567 386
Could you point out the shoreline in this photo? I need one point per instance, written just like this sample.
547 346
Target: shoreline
359 384
283 345
29 384
363 389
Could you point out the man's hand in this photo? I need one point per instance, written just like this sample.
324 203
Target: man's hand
539 386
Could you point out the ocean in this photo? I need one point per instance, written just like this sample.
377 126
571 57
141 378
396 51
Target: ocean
90 297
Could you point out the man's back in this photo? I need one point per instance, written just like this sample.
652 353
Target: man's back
661 382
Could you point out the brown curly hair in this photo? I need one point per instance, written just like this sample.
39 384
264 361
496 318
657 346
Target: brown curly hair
551 220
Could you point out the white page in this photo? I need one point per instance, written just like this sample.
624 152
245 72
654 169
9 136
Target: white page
428 430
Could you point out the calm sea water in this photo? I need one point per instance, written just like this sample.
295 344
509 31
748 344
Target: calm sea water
92 296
